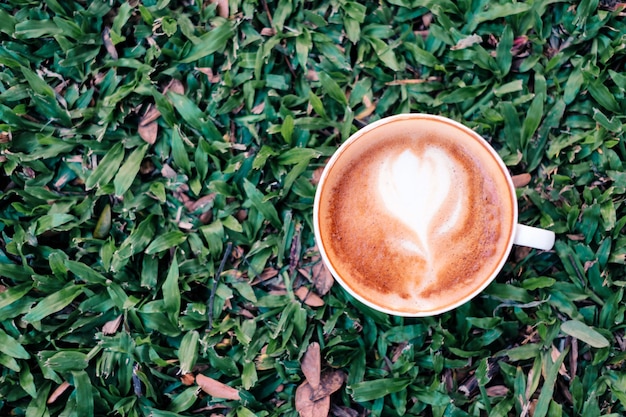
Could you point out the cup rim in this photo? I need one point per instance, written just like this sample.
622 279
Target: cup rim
363 132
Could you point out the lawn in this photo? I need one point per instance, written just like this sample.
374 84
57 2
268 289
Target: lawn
158 165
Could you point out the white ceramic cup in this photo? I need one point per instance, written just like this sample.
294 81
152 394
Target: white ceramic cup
519 235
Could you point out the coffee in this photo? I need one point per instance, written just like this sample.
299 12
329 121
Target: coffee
415 215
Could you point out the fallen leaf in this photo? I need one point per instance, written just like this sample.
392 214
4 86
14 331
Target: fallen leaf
554 354
317 175
175 86
268 31
111 326
368 110
308 297
322 278
202 202
5 137
521 252
296 248
259 108
497 391
330 383
341 411
222 8
311 365
397 351
108 43
521 180
148 132
58 392
467 42
307 407
216 388
213 78
168 172
188 379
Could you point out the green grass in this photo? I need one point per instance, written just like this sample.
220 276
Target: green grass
158 166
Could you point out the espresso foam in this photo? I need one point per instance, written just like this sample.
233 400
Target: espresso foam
414 189
416 220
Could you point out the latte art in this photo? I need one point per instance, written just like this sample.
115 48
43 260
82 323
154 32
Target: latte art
414 220
414 190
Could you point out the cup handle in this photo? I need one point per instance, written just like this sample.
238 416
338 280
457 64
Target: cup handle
533 237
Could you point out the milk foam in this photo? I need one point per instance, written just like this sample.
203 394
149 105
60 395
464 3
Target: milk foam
414 189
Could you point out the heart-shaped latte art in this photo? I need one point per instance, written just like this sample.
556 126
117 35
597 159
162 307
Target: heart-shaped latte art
414 190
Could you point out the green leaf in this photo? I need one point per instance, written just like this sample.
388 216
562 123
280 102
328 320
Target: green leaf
84 393
330 87
171 292
165 241
179 153
603 96
212 41
129 169
10 346
53 303
532 120
286 129
14 294
50 222
107 168
257 199
504 58
584 333
379 388
85 273
494 11
545 396
67 361
188 351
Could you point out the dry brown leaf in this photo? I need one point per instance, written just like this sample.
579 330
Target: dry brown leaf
307 407
322 278
152 114
521 252
222 8
259 108
497 391
317 175
330 383
216 388
213 78
58 392
397 351
296 248
202 202
521 180
268 31
554 354
312 75
308 297
148 132
110 327
368 110
406 81
168 172
467 42
188 379
175 86
311 365
108 43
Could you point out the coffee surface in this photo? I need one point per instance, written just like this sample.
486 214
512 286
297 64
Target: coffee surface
415 219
